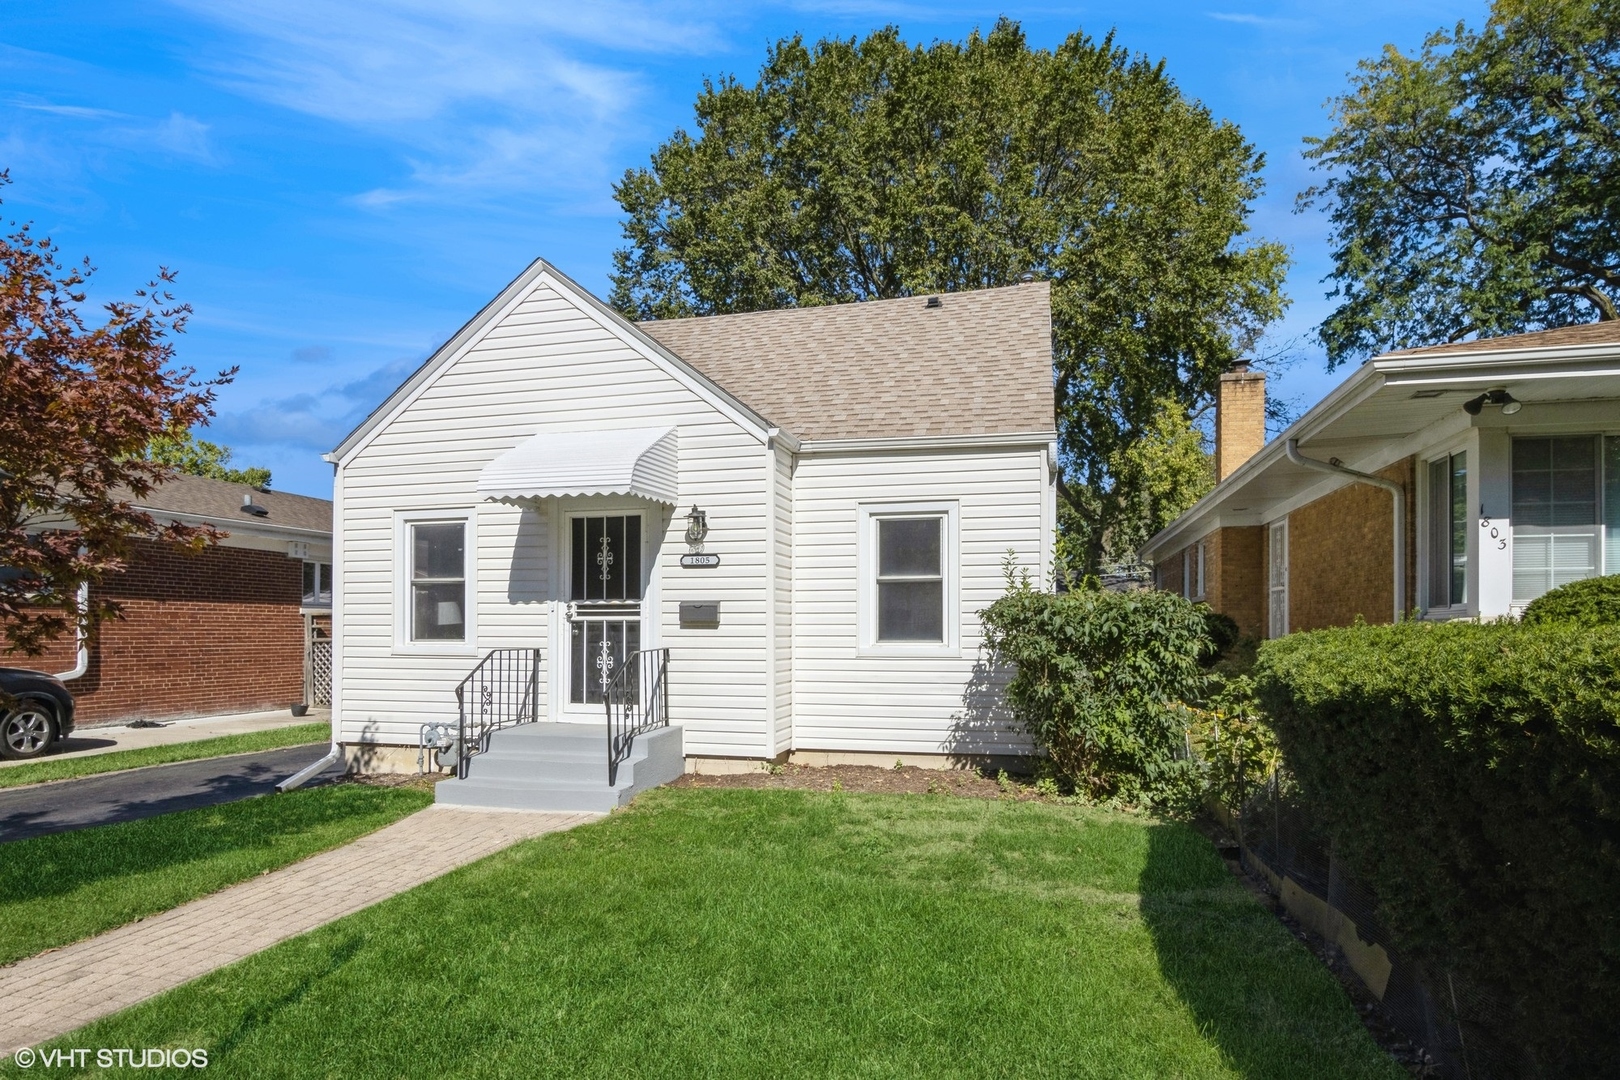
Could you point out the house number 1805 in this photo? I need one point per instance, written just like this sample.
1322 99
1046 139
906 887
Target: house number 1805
1496 534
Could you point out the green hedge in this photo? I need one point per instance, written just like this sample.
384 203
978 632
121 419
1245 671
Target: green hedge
1099 679
1590 602
1471 775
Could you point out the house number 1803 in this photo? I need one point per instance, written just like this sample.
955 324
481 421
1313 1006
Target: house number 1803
1496 534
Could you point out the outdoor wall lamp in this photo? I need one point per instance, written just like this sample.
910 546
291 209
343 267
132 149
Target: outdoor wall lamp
1509 403
697 526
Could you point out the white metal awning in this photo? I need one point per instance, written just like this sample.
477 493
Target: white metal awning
627 461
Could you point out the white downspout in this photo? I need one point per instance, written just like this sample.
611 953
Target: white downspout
333 755
82 662
1292 448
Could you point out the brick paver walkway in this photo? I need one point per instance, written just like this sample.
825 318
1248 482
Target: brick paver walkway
55 992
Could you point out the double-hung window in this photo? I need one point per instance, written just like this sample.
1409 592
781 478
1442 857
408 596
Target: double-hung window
436 552
910 577
1559 517
317 584
1447 539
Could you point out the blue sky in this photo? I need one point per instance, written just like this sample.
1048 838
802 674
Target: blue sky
340 185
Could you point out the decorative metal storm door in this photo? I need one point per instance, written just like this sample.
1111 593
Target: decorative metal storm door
605 608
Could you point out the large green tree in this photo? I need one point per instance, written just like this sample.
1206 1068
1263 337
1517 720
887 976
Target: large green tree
871 169
1474 188
199 457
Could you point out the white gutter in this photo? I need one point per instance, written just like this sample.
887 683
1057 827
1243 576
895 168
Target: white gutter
1291 447
82 663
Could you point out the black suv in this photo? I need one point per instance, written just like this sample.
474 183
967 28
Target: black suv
35 711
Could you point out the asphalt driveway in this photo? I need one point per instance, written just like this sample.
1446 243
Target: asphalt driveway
158 789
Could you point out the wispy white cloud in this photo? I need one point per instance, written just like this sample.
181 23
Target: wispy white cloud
484 96
178 135
1247 19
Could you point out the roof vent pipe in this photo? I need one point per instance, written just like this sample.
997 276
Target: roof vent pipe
1399 492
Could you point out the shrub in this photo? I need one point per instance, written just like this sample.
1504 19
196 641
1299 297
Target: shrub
1223 634
1099 680
1231 737
1590 602
1471 775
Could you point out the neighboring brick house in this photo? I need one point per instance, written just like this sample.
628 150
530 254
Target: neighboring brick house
1502 454
220 630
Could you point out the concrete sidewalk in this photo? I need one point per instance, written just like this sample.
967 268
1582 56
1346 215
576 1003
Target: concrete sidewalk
89 741
53 993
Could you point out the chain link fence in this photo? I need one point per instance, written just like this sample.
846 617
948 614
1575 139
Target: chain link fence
1463 1028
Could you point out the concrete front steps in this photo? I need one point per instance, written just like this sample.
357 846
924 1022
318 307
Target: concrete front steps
562 767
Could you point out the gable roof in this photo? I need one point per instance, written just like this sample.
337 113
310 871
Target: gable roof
221 502
541 272
1598 333
979 363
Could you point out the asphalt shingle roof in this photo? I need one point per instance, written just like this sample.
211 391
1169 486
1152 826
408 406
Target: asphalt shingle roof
221 502
978 364
1598 333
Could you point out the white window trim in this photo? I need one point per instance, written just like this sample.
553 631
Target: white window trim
866 565
1454 610
316 606
403 520
1200 587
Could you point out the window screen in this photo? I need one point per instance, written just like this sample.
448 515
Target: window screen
910 579
1556 531
438 582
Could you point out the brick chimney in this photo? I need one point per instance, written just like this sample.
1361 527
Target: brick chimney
1240 418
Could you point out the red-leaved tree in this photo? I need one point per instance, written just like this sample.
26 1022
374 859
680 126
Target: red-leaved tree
78 406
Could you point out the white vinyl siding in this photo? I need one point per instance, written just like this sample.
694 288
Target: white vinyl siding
548 365
782 562
935 700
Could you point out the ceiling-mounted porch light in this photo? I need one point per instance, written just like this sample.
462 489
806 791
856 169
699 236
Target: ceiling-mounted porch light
1499 396
697 525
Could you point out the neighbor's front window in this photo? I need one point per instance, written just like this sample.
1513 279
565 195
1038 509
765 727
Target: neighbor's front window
911 579
438 553
1557 520
1448 530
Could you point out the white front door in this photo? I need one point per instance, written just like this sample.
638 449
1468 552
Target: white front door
606 583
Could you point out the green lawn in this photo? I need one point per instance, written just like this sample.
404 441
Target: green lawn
68 768
61 888
779 933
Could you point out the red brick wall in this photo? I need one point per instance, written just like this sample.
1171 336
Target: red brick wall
214 631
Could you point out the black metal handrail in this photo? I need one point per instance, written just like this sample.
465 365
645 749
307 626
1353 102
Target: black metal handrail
501 691
637 700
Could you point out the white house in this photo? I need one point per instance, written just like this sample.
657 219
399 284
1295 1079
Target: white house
544 481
